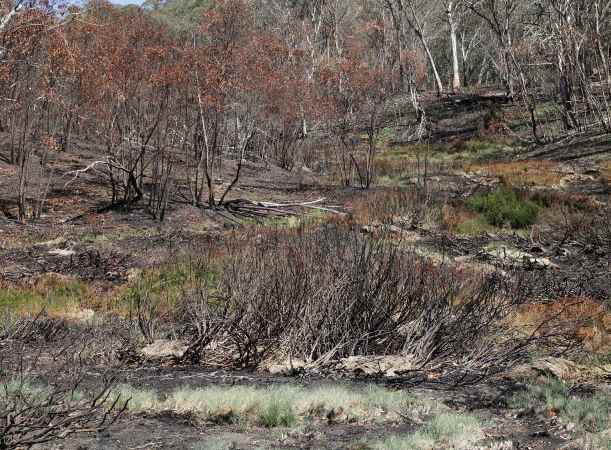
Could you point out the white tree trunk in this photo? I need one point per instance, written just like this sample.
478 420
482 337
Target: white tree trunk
456 85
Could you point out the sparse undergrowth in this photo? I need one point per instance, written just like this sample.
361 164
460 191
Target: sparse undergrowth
455 431
56 295
279 406
555 397
520 174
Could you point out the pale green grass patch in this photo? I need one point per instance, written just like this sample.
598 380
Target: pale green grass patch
276 406
456 431
591 414
56 297
140 400
215 444
475 227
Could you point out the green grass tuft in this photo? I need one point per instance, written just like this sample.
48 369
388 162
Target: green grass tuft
276 412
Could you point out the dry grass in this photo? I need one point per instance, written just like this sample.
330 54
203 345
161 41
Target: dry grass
395 171
395 205
460 220
398 169
520 173
586 319
380 205
605 168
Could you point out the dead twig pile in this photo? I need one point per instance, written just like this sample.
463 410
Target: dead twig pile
258 210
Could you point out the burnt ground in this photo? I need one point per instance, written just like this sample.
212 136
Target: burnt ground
523 429
79 238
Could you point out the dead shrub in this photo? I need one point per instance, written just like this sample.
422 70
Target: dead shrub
43 398
580 224
413 206
320 294
583 319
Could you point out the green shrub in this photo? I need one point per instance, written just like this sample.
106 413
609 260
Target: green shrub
503 207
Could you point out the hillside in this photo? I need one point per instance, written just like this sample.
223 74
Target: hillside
305 225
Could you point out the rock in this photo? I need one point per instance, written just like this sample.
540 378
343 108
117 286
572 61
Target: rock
393 229
164 348
538 263
560 368
366 229
390 366
283 367
571 180
81 315
62 252
54 242
516 257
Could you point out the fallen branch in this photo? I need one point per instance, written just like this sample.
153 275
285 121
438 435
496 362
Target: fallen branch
248 208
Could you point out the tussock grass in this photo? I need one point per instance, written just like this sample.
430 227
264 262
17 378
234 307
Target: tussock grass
24 390
590 414
277 406
443 431
28 394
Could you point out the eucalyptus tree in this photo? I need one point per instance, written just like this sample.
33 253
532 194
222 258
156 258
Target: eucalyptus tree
504 19
416 16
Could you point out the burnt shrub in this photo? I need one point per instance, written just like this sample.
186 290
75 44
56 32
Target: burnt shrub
330 292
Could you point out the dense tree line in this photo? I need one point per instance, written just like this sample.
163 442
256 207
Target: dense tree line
184 86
